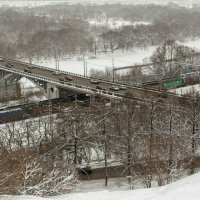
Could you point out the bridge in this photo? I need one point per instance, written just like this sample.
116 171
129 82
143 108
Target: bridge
52 85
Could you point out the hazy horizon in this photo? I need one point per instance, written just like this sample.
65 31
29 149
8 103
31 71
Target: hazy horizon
185 3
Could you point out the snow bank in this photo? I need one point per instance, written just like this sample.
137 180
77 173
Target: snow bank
185 189
187 89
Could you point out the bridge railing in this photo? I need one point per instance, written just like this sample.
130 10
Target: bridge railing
43 67
89 89
65 84
64 72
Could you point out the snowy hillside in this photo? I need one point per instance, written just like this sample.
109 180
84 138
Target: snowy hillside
186 189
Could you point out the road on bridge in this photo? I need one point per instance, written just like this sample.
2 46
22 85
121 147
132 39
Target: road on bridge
137 92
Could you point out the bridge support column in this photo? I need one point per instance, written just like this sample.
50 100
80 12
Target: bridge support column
52 91
92 99
6 77
2 76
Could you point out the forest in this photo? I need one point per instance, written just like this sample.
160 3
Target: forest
154 140
63 30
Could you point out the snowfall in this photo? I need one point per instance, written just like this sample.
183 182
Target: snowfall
101 61
185 189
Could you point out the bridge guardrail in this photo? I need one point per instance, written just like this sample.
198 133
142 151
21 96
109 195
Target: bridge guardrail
78 75
65 72
69 85
43 67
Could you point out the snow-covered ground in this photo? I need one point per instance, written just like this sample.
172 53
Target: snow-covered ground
101 61
193 43
187 89
185 189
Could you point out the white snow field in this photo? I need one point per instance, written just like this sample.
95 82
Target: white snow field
187 89
185 189
101 61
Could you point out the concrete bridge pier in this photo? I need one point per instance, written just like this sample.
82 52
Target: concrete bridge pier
2 76
8 77
92 99
52 91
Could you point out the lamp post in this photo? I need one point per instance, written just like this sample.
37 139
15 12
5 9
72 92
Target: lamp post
113 69
85 65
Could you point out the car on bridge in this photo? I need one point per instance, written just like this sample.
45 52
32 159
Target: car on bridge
94 81
9 65
99 87
114 88
57 73
122 87
68 78
61 80
30 67
27 70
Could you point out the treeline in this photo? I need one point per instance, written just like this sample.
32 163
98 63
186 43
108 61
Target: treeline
153 140
169 60
61 30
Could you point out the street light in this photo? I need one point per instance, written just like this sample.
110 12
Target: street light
85 65
113 69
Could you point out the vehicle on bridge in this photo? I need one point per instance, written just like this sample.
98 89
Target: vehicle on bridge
30 67
27 70
122 87
94 81
114 88
57 73
9 65
99 87
68 78
61 80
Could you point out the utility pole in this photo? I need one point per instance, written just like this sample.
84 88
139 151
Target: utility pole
113 67
86 68
84 65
